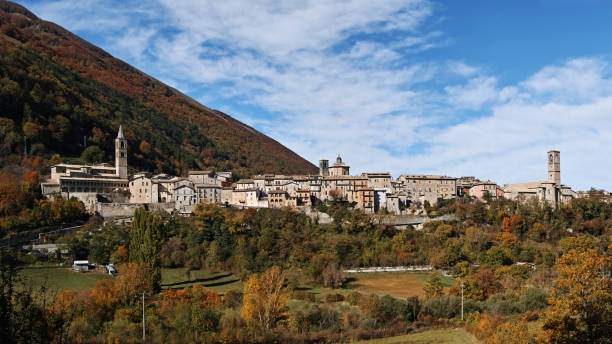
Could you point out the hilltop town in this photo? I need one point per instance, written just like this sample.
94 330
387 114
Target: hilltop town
110 192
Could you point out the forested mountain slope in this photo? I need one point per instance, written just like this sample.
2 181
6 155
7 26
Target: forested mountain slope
56 89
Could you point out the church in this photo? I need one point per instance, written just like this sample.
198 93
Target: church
551 190
85 182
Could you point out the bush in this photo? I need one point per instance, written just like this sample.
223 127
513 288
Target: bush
442 307
354 298
304 295
330 298
503 304
232 299
497 256
532 299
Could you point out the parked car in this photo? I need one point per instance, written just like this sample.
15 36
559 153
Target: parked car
110 269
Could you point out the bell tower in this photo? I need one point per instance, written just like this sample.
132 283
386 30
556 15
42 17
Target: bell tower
554 167
121 155
324 167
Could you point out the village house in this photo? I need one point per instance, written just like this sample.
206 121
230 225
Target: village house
203 177
244 184
429 187
364 199
464 184
485 189
184 198
165 186
143 189
379 180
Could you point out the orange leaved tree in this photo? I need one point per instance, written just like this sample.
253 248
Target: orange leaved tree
581 301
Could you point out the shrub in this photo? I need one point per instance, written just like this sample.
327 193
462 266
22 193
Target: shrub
532 299
330 298
304 295
353 298
503 303
232 299
442 307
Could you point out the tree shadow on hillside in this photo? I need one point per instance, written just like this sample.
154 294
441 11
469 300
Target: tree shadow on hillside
202 280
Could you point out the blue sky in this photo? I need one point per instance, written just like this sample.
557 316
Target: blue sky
480 88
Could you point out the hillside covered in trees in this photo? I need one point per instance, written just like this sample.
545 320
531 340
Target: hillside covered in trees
528 274
64 93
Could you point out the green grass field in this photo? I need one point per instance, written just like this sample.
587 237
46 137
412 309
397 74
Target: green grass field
443 336
217 281
398 284
57 279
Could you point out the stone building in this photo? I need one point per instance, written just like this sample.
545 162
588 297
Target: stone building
165 186
485 189
244 184
208 193
429 187
85 182
203 177
551 190
143 189
364 199
341 187
184 198
465 183
379 180
324 167
339 168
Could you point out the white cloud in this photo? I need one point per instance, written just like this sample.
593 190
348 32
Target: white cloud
577 80
474 94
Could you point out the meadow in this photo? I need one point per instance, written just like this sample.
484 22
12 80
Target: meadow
56 279
397 284
442 336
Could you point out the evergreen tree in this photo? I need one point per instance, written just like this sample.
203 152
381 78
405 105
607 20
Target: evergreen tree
146 239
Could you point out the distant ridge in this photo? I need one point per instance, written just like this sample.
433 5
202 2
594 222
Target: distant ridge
65 88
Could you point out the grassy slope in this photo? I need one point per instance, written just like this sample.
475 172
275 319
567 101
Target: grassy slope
217 281
398 284
443 336
58 279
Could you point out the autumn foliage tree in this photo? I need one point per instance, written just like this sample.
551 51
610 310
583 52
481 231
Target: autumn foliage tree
433 287
265 298
581 300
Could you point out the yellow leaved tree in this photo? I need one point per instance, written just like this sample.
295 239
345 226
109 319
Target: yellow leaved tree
265 298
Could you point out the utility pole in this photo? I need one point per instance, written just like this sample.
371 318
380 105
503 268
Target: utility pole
143 318
461 300
84 141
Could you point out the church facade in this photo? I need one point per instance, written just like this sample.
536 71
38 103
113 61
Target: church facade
551 190
85 182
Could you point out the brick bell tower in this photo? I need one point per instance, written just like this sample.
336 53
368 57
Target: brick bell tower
121 155
554 167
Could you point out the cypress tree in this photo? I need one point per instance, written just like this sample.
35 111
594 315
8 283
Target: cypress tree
146 239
